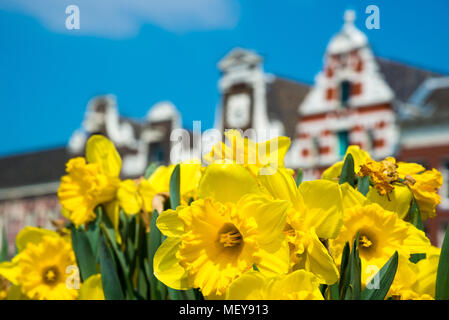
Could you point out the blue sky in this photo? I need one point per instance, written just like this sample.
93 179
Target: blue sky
148 51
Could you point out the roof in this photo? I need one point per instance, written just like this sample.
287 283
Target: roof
403 79
433 111
239 56
283 98
33 168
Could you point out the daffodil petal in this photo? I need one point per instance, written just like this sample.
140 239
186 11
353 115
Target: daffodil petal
273 263
247 287
408 168
169 223
280 184
416 242
166 265
227 183
351 197
397 201
92 289
323 200
299 284
128 197
320 262
270 216
277 149
333 172
101 150
360 156
31 235
10 270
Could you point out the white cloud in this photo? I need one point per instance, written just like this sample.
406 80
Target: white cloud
123 18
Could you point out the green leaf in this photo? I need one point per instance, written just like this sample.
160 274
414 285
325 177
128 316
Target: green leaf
299 176
415 215
93 231
4 248
175 197
142 283
150 170
123 226
126 275
344 258
386 276
181 294
343 268
442 284
109 276
416 257
154 241
347 172
334 293
109 231
363 185
198 294
85 258
323 288
353 274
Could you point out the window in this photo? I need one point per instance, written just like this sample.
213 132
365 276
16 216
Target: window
316 146
370 139
345 91
343 142
156 153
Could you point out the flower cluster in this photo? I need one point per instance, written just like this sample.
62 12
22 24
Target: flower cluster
241 227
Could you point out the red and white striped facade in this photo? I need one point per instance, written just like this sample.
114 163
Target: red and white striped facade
362 110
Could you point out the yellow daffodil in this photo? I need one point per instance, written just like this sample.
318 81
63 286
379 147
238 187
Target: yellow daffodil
246 152
382 174
40 266
159 182
90 181
360 157
395 183
136 195
298 285
398 200
426 272
315 213
412 281
381 233
92 288
424 185
222 235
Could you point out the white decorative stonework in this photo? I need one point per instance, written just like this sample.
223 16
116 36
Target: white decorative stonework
350 103
243 66
348 57
238 115
102 116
